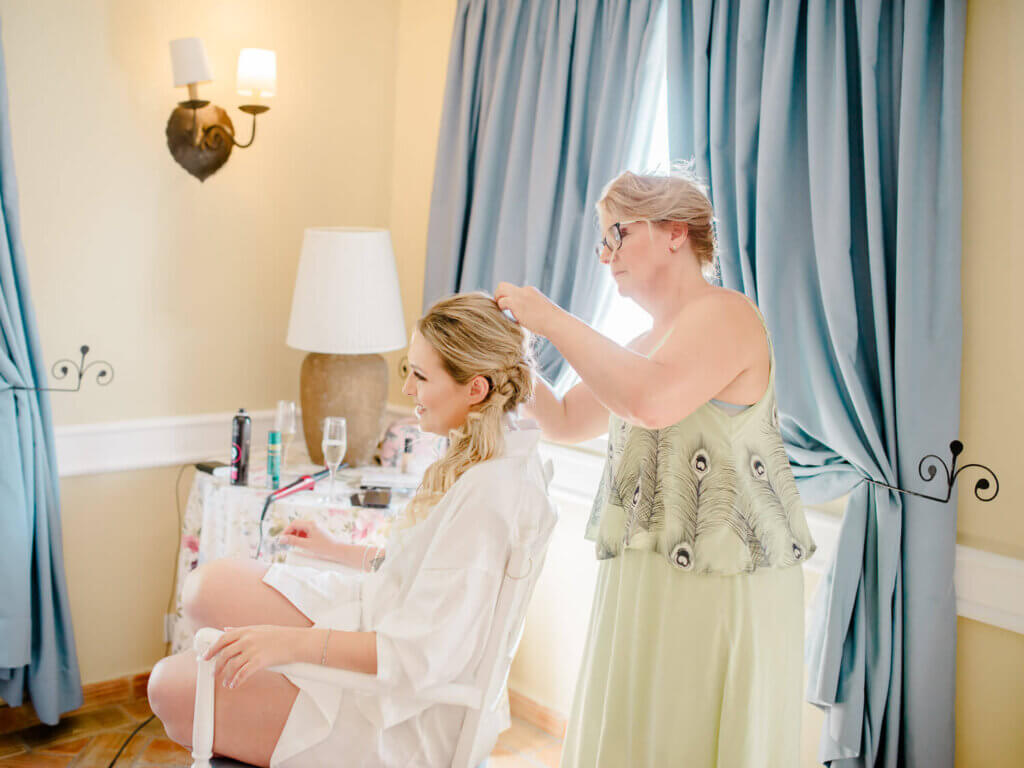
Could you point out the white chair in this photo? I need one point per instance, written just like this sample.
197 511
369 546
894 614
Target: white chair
485 694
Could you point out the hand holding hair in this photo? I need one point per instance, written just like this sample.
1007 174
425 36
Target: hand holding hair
528 306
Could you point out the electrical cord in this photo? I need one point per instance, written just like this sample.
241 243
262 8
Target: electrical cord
177 552
174 580
266 505
305 482
170 600
138 728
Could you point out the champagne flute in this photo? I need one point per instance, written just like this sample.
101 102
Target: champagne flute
334 444
284 422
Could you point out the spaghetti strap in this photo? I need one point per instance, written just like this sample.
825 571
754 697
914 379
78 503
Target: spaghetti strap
757 309
658 345
760 316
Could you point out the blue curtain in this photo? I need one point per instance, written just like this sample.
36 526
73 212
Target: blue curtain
37 645
830 136
542 107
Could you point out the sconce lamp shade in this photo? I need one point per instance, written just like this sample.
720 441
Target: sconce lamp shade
189 62
257 72
347 298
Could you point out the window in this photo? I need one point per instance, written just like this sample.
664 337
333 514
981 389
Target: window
621 319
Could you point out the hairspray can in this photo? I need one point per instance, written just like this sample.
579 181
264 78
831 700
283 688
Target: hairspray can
273 459
241 427
403 464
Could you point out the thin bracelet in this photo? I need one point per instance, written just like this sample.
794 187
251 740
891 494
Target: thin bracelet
323 656
376 559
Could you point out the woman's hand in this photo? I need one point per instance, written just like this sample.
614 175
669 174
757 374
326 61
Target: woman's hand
531 308
244 651
311 536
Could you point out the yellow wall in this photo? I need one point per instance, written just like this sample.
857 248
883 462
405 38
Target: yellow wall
120 533
992 414
185 287
130 254
990 661
424 34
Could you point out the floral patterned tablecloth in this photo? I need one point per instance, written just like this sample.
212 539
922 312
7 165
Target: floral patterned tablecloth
222 520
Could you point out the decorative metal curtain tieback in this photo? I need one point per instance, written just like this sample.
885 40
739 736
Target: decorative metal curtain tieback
956 448
62 367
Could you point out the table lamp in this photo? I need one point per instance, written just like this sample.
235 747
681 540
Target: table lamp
346 309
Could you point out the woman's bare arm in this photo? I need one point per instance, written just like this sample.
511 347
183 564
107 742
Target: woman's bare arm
359 557
575 418
242 651
311 536
712 341
346 650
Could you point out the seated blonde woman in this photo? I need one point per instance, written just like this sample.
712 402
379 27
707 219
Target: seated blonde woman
416 614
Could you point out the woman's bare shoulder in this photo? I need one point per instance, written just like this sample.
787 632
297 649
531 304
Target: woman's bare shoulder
725 304
719 319
718 294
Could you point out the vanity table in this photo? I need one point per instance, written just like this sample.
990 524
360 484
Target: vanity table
223 520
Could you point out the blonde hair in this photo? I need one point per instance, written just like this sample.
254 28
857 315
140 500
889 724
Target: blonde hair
678 195
473 337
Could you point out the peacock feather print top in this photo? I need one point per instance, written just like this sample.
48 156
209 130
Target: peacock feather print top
712 493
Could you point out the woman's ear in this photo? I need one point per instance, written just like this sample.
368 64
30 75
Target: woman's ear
678 234
479 388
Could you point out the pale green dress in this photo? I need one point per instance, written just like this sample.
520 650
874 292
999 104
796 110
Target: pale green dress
694 655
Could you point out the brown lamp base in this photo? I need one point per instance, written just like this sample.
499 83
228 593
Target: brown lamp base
352 386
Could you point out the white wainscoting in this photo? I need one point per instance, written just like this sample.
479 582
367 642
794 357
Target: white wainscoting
990 587
114 446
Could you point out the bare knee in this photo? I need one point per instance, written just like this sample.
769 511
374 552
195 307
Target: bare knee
204 591
171 691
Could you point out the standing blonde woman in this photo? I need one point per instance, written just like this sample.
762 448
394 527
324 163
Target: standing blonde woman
695 647
421 612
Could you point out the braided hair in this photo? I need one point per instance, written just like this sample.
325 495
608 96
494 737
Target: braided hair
473 337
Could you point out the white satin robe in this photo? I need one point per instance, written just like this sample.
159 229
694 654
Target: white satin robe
431 605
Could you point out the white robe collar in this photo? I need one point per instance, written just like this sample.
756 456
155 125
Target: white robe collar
521 435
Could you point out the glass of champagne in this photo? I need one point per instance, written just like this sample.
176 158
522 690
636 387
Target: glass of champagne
284 422
334 444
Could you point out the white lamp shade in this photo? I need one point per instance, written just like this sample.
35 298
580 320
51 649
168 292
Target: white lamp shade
347 299
189 62
257 72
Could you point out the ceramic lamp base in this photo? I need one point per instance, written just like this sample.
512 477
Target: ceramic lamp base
352 386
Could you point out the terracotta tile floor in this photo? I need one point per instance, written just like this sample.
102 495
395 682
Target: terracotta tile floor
91 740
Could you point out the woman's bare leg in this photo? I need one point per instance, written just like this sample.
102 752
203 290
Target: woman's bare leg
248 720
231 593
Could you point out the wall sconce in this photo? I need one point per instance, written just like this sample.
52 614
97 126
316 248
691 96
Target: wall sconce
199 134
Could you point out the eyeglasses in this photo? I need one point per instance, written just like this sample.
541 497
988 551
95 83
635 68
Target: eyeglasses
612 239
